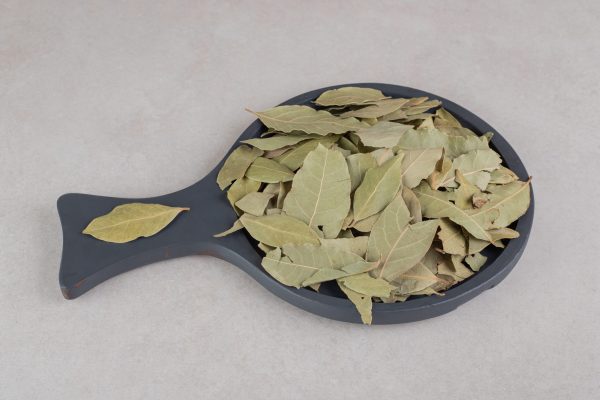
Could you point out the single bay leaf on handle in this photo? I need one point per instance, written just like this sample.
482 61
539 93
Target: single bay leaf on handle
130 221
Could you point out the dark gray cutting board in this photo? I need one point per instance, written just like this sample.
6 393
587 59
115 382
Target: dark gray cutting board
86 262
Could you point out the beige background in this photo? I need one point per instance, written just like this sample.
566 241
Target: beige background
138 99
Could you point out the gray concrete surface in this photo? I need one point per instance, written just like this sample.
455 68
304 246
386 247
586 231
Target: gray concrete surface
132 98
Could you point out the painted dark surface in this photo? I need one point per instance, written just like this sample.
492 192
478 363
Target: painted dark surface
87 262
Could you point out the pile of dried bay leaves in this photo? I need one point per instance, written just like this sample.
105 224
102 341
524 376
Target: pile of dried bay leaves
390 197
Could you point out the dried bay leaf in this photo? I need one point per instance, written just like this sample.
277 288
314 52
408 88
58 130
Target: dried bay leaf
328 274
236 165
382 155
507 203
348 145
363 303
433 138
320 194
418 165
475 245
306 119
277 141
376 109
422 107
442 168
412 203
464 194
378 188
503 233
356 245
239 189
503 176
254 203
269 171
358 164
452 238
476 261
237 225
475 167
277 230
348 96
130 221
278 152
435 205
444 119
366 225
382 134
454 269
415 279
294 158
284 188
397 244
304 261
367 285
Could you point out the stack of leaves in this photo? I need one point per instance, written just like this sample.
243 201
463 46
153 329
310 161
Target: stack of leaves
389 197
